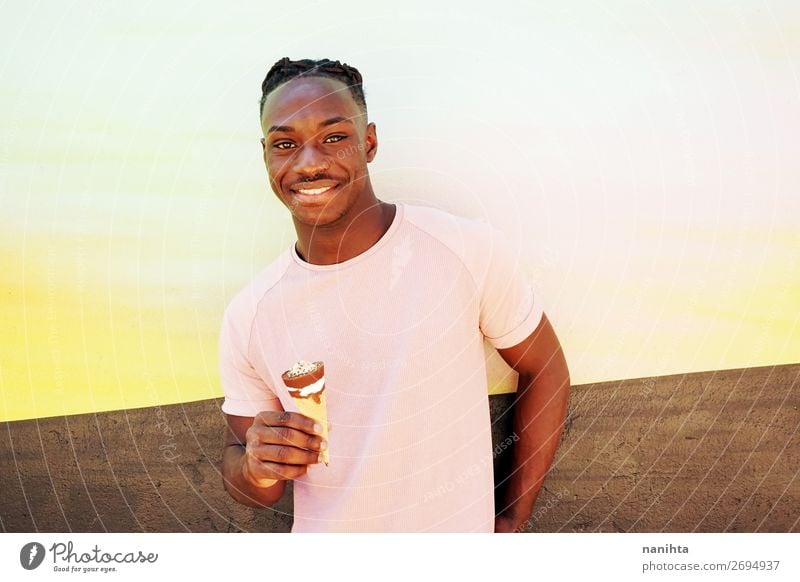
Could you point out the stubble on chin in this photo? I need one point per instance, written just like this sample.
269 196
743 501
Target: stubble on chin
324 219
328 216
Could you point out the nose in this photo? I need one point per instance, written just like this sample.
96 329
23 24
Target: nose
309 161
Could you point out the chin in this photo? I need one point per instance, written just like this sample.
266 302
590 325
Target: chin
318 217
323 214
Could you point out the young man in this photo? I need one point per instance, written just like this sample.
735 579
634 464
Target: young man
396 300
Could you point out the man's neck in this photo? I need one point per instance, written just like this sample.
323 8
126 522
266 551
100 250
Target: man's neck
334 244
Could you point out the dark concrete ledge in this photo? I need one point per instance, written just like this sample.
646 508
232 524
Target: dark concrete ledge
708 452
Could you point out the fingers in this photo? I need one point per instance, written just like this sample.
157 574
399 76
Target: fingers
293 420
283 435
265 464
283 454
280 446
264 474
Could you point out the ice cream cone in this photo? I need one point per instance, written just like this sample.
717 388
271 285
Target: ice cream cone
319 412
306 384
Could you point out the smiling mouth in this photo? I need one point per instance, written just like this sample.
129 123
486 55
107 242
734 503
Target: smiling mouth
314 191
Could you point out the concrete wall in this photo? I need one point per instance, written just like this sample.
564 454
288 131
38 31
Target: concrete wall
706 452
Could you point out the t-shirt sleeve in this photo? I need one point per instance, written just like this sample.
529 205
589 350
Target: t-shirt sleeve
246 393
510 311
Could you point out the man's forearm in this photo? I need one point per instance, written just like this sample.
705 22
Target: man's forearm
240 488
538 422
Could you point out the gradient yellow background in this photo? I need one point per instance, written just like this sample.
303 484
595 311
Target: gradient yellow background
643 157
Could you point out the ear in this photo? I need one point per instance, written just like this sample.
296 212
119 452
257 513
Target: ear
371 141
264 149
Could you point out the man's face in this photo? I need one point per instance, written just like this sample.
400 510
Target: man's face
316 148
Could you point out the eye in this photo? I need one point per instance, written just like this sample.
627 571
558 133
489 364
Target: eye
334 138
283 145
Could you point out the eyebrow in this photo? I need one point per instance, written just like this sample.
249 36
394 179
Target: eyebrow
327 122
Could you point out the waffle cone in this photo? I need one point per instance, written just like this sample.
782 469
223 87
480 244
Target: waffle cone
318 410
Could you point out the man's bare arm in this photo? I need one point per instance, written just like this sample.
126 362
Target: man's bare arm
263 452
539 413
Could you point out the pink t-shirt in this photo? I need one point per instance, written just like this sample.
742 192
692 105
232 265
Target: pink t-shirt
400 329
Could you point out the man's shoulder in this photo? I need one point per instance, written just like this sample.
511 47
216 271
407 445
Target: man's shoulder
243 305
445 226
461 235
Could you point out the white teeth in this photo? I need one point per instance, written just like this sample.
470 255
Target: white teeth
315 191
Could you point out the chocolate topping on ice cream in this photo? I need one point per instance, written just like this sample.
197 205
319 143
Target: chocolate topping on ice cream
305 380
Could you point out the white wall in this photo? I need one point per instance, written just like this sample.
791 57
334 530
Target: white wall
643 156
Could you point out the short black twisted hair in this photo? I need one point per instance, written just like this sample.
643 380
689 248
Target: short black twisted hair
286 69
